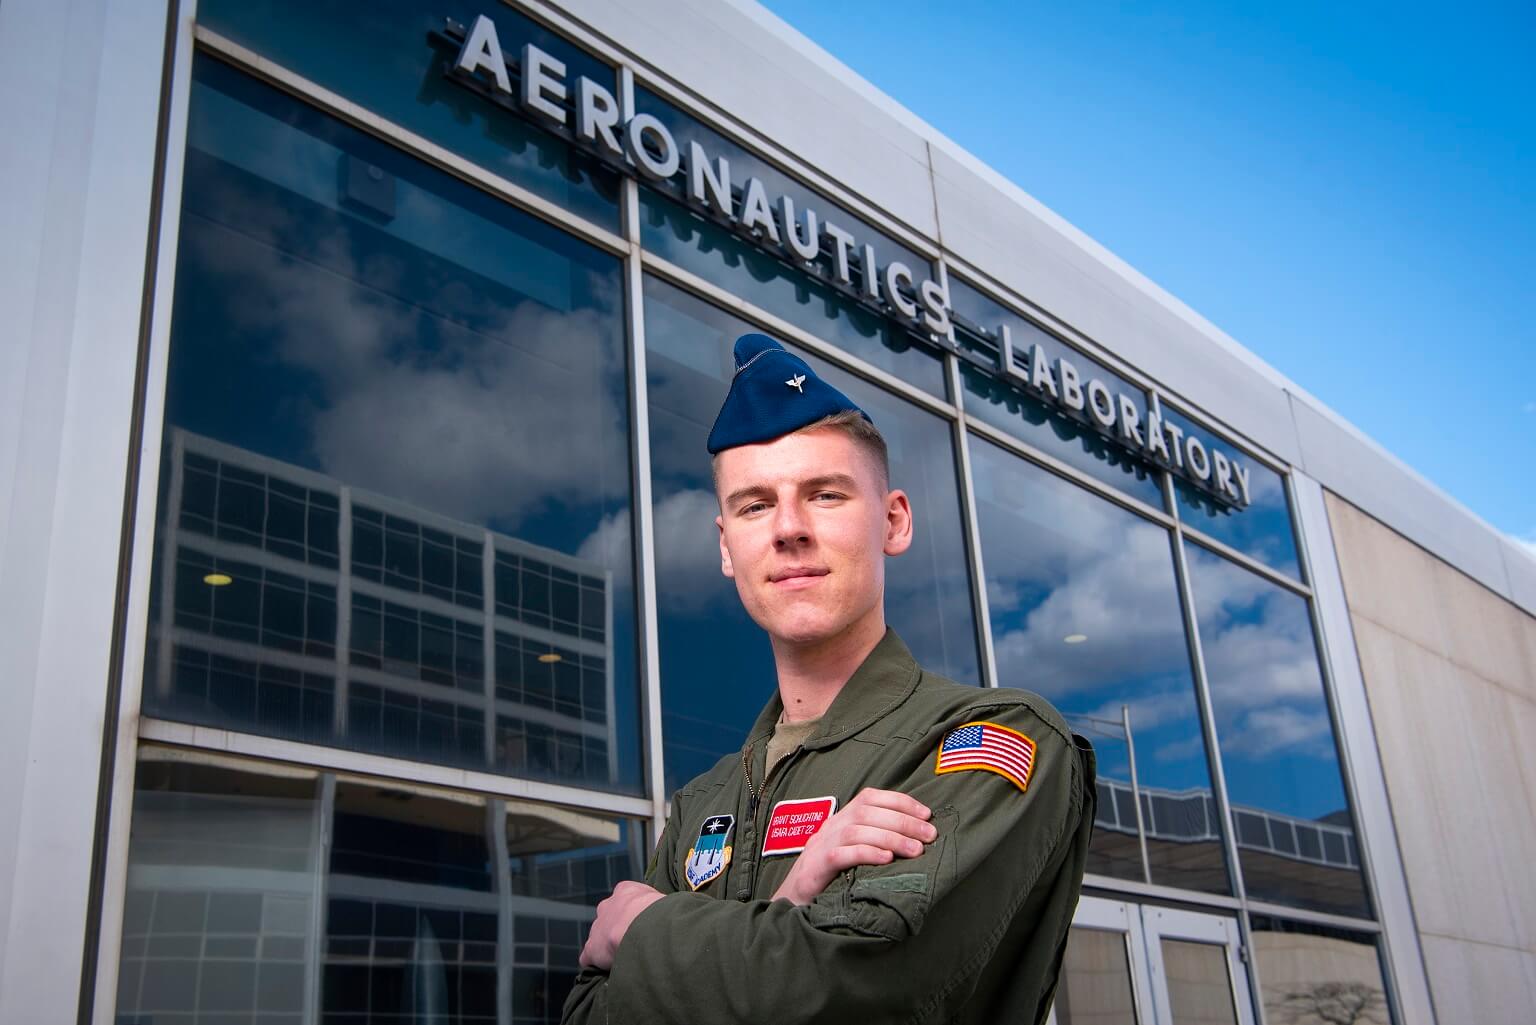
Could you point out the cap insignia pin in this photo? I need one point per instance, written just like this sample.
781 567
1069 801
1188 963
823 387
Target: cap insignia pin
795 383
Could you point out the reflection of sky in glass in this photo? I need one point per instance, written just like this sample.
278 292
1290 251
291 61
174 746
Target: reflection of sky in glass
1062 563
757 276
990 398
1272 720
424 342
1262 529
378 55
716 665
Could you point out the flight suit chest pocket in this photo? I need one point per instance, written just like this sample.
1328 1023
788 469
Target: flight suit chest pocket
892 900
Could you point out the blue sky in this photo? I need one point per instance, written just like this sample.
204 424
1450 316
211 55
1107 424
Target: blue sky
1349 190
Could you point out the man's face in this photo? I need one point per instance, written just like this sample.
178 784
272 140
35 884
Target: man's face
805 525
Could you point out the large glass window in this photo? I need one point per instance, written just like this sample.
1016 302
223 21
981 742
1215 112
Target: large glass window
265 893
1262 528
991 398
1295 834
1085 611
1316 975
396 479
392 58
716 666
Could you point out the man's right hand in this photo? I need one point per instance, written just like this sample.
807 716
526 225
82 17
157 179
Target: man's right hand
874 828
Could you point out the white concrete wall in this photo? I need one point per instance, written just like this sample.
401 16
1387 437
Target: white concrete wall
79 94
1450 671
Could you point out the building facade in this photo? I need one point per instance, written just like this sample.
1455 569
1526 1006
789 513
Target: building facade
362 598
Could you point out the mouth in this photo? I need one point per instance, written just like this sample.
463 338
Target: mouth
798 575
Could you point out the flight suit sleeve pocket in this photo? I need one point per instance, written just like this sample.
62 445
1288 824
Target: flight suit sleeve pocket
892 900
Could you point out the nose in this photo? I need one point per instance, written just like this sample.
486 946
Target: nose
791 527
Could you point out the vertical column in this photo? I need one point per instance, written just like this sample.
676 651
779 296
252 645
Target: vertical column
105 914
343 610
644 512
165 645
962 447
1218 773
320 851
1364 782
496 823
1141 825
488 640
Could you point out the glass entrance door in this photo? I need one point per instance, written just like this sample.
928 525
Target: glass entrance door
1127 964
1104 978
1197 977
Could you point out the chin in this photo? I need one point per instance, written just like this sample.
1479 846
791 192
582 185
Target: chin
803 625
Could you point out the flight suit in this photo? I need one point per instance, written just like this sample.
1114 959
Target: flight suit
971 930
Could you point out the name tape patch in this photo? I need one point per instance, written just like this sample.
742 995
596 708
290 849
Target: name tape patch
989 747
794 822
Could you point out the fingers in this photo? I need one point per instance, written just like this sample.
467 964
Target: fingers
840 859
887 839
897 822
892 800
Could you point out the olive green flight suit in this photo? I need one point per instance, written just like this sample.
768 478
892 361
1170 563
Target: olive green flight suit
971 930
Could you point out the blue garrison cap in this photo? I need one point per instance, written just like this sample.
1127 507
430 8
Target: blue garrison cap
773 393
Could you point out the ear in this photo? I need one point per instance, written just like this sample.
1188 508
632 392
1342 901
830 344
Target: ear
898 523
725 553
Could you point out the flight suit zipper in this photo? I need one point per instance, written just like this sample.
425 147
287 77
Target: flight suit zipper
753 796
746 768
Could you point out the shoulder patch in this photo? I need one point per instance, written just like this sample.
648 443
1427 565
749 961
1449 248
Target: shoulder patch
711 852
990 748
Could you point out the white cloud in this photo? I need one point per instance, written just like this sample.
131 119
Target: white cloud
1121 596
687 553
498 420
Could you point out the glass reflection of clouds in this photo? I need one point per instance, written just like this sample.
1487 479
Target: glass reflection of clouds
391 56
1276 737
1062 563
405 403
1262 528
717 669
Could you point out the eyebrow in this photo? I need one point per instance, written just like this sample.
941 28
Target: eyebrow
825 480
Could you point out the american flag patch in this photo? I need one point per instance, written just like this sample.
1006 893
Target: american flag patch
988 746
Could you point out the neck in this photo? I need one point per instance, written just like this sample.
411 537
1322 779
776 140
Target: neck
812 674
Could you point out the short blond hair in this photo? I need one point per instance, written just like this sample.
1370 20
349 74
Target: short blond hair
864 434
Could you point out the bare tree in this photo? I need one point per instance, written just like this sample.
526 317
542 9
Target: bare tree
1335 1003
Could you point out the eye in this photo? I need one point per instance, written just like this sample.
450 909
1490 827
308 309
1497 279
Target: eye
824 496
754 507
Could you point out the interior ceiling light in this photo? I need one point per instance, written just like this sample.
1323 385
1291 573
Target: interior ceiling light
218 579
1075 638
550 656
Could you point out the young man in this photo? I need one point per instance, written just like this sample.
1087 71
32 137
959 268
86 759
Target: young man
888 845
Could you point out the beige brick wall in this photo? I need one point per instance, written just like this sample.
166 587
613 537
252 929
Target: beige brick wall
1450 672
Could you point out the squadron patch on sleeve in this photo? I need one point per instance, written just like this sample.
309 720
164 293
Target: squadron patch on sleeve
989 747
711 852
